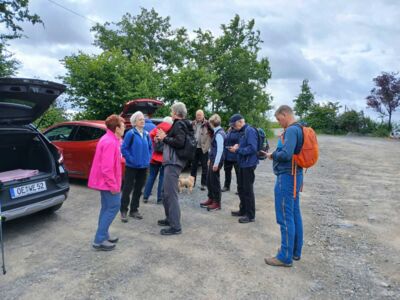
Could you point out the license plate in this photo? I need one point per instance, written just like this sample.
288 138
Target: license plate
28 189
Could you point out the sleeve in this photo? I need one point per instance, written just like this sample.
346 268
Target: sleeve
178 140
125 146
150 142
220 149
107 164
251 143
285 153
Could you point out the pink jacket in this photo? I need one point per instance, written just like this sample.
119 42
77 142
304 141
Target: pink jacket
106 172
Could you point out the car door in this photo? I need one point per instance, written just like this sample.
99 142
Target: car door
83 149
62 137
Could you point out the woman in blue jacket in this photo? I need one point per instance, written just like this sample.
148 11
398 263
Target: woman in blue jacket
137 150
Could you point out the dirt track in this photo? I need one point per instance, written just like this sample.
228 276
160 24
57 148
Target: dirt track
351 208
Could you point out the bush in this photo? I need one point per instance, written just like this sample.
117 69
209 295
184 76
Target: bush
381 130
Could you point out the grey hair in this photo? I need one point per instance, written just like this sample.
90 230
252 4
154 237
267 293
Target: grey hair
135 116
179 108
215 120
284 110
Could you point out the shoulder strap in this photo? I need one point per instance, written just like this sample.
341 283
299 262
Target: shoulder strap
132 138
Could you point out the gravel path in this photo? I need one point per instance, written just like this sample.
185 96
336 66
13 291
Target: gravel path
350 207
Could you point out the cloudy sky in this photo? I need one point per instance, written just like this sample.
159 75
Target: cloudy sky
339 46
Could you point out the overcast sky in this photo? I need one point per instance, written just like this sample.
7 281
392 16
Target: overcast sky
339 46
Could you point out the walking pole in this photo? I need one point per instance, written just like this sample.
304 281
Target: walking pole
1 241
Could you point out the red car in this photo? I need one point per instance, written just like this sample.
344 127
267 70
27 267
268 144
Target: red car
78 139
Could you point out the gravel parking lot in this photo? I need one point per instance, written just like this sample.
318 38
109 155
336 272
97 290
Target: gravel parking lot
351 208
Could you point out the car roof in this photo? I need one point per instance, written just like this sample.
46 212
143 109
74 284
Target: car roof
91 123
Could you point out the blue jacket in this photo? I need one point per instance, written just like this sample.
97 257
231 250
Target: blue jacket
282 156
232 138
149 125
247 152
137 150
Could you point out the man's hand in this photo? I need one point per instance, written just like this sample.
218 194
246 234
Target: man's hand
215 168
269 155
161 134
234 148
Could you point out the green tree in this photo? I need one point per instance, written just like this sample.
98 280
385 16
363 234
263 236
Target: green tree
304 101
239 75
8 65
55 114
323 117
12 12
99 85
385 97
147 36
350 121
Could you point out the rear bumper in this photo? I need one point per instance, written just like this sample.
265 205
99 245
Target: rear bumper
32 208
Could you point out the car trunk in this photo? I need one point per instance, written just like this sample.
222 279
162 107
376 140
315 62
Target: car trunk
24 150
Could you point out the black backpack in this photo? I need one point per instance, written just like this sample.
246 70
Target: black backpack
262 142
189 149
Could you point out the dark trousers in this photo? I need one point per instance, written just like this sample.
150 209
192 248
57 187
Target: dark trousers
228 165
171 200
202 158
134 179
213 184
246 192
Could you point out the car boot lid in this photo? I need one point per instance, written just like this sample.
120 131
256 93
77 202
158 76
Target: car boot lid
146 106
24 100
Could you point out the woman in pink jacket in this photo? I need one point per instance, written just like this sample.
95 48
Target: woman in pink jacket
105 176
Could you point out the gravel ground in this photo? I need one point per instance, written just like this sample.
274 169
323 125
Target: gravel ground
350 207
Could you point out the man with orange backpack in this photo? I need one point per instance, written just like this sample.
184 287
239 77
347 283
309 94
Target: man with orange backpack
297 149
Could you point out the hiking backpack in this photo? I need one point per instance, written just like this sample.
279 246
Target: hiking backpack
262 143
308 155
189 148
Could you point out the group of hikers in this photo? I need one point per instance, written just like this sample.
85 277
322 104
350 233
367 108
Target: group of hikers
162 151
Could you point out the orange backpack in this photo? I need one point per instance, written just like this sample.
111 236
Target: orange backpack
308 155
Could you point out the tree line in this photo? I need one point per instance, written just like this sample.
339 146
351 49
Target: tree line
142 56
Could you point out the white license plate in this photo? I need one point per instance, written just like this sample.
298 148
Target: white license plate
28 189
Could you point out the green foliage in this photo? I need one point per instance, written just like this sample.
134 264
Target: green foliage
101 84
55 114
381 130
8 65
350 121
305 100
323 117
12 12
144 57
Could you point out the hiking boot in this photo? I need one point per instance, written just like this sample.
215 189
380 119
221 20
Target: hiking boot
170 231
104 246
163 222
214 206
237 193
245 220
206 203
203 188
136 215
124 218
145 200
273 261
113 239
160 201
225 189
237 213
